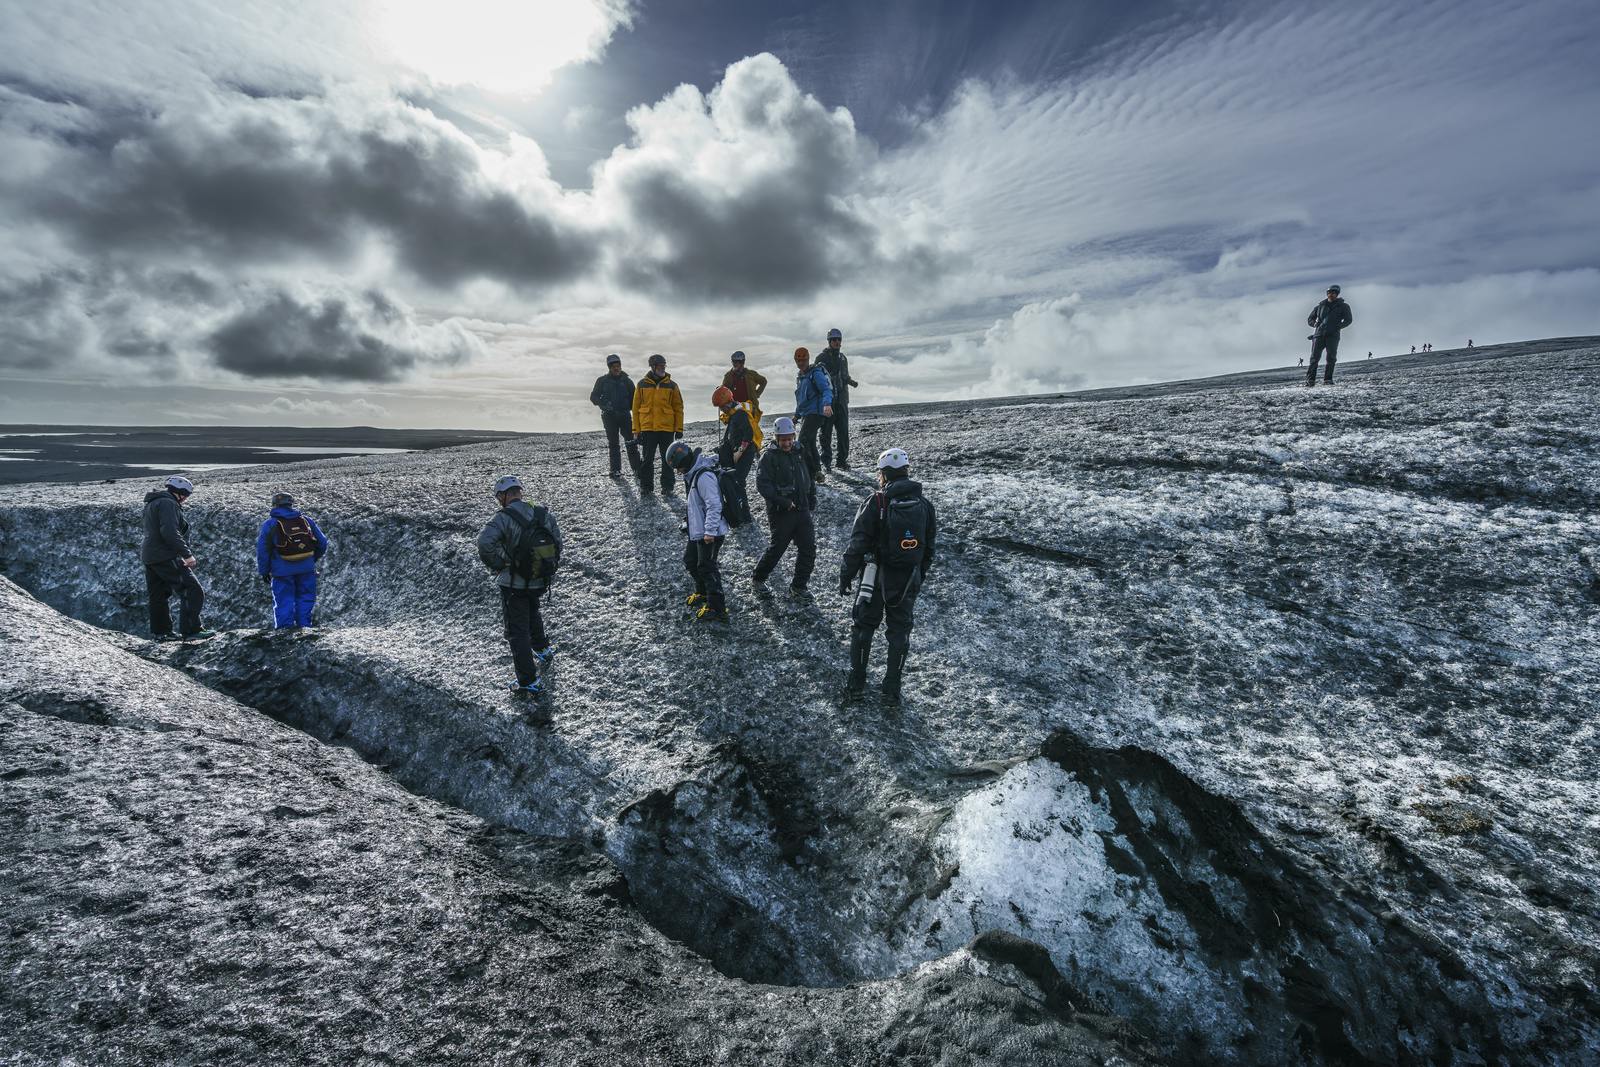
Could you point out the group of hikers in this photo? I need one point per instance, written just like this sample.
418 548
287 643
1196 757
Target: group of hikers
289 546
892 540
890 550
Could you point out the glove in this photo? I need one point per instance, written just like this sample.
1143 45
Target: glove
844 585
678 436
266 579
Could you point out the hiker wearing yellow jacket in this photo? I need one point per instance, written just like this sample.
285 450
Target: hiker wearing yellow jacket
657 421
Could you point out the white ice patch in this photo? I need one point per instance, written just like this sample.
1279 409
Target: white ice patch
1032 860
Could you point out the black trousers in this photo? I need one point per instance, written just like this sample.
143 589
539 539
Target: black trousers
838 424
700 560
898 608
524 629
619 428
809 425
164 581
654 441
741 475
1319 345
790 527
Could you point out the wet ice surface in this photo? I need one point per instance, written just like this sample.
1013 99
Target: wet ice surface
1362 620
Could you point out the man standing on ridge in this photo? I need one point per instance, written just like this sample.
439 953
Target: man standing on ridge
1326 320
813 402
169 563
613 395
657 422
521 546
891 548
784 480
706 529
837 364
737 450
288 548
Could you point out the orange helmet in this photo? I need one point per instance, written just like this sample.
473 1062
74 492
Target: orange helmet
721 395
801 354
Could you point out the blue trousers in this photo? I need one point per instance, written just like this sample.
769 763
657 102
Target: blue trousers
294 598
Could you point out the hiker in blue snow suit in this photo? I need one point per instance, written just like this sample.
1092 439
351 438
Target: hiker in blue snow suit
813 404
288 549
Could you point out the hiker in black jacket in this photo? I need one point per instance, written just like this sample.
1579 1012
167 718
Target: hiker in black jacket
784 480
891 548
837 364
613 395
737 449
169 562
1326 320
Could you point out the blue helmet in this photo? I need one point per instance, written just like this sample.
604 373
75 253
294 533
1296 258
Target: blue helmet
679 455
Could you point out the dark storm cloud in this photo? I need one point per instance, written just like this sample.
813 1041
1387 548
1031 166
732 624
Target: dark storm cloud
272 179
42 325
756 191
365 339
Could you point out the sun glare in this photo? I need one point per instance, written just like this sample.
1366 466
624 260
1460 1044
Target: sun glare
507 46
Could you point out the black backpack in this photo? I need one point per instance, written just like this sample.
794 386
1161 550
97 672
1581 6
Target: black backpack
536 555
728 487
902 531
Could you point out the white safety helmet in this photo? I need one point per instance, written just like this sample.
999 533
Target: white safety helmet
180 483
894 459
784 426
509 482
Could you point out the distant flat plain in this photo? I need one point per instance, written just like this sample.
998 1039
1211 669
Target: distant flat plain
38 453
46 453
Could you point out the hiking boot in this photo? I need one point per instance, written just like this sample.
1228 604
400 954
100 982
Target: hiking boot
842 465
544 658
707 614
855 685
162 639
759 584
614 474
819 478
799 592
532 689
891 677
200 635
695 598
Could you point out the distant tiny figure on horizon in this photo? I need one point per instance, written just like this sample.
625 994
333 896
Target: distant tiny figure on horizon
1469 342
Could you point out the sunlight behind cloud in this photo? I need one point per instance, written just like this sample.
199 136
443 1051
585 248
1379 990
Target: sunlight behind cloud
506 46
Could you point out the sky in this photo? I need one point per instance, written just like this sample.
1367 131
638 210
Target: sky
408 213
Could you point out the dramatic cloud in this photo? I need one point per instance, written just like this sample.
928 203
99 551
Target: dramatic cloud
367 340
41 324
189 198
754 191
275 179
